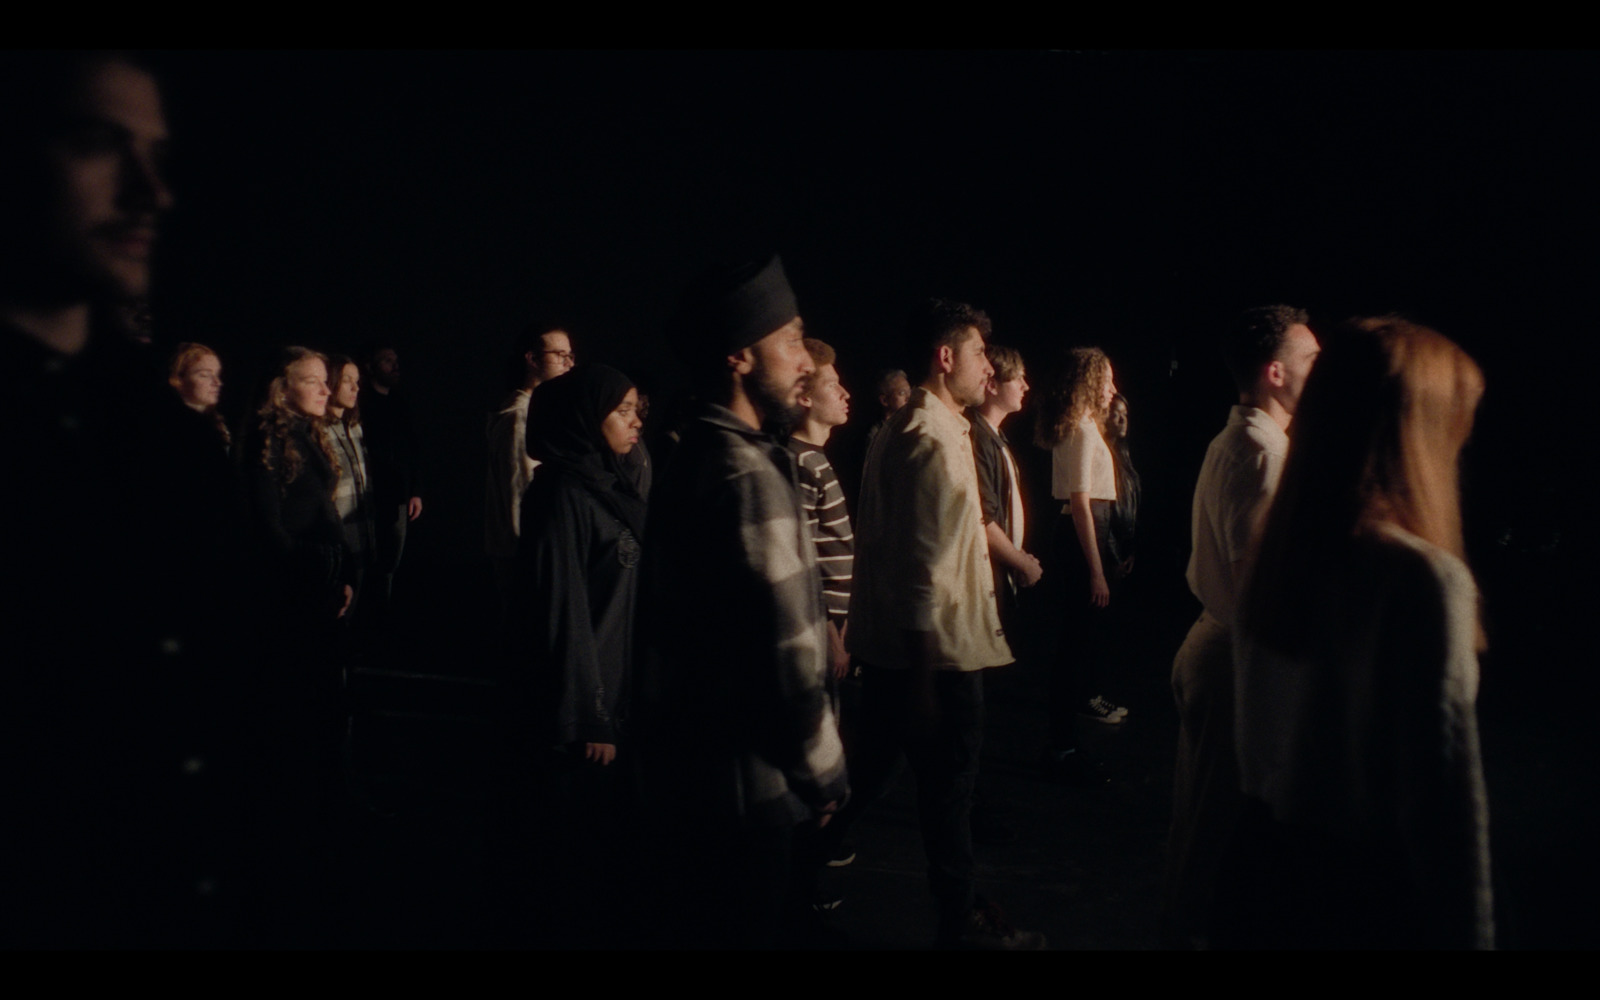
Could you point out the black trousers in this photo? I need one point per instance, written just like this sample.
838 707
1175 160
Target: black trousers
943 754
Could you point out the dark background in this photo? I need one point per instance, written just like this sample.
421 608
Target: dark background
1133 200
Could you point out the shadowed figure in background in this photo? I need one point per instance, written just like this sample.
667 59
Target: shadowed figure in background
125 640
543 351
1366 820
396 463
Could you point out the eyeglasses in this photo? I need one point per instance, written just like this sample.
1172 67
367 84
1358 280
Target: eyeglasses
566 356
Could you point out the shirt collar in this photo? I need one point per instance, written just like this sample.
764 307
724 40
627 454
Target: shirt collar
1253 417
940 414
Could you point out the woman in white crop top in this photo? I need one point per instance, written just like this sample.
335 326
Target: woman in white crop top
1071 422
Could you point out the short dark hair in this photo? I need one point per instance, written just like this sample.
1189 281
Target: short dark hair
937 323
1255 338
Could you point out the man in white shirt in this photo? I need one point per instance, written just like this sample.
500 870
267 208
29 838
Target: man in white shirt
923 619
542 352
1269 351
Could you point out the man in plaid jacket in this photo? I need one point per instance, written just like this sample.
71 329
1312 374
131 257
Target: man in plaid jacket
742 743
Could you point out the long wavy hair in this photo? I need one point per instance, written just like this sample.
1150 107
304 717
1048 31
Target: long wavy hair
1072 391
279 418
184 357
1376 438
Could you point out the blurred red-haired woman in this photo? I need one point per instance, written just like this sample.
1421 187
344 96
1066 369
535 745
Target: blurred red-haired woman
1357 660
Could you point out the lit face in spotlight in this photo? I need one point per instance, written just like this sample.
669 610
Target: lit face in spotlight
1117 420
1010 393
970 371
778 362
306 385
828 402
348 391
200 385
556 356
621 426
1297 355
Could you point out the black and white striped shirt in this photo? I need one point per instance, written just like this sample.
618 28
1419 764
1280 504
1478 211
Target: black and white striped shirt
829 520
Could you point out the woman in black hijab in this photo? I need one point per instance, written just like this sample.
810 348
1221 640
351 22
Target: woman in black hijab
578 554
577 573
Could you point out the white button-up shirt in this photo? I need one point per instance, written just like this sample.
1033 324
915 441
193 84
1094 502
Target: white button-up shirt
1237 481
922 560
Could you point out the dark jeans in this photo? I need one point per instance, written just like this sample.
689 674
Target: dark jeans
943 754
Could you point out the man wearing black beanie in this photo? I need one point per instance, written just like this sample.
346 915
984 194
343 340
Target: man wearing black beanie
740 745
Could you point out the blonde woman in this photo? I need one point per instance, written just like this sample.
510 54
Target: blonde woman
1072 414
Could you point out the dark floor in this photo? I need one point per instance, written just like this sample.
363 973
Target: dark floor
1085 867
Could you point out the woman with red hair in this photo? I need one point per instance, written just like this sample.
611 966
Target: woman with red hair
1357 664
195 373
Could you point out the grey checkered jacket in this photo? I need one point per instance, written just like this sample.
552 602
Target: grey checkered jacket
734 722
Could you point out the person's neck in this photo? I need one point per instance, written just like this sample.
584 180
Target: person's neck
813 432
745 409
380 388
196 407
938 388
336 412
992 413
63 329
1270 405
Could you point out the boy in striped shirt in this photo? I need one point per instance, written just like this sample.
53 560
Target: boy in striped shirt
826 405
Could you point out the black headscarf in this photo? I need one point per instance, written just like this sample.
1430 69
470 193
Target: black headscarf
564 420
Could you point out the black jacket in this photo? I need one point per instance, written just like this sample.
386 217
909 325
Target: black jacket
299 525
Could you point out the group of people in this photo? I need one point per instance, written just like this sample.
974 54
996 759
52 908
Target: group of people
708 673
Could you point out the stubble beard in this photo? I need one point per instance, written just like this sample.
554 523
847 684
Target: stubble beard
777 401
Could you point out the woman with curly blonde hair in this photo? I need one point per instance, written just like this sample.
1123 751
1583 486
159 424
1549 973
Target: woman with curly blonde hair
1071 424
292 474
293 766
